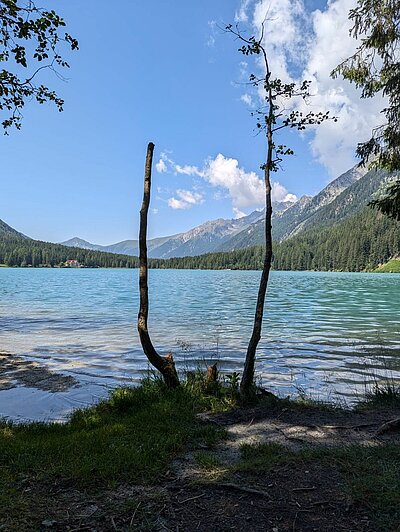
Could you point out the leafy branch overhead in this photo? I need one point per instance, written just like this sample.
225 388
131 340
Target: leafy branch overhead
30 38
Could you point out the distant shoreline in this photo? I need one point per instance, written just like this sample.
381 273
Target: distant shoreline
378 270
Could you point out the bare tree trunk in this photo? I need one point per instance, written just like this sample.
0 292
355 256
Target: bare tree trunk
165 365
248 372
275 119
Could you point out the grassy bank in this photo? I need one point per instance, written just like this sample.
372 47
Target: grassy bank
110 466
393 266
132 437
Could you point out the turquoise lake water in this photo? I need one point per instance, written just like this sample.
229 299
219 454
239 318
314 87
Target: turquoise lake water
322 332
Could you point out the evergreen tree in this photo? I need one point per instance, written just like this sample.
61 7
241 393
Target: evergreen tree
375 68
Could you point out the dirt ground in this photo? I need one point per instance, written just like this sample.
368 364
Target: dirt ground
296 496
287 499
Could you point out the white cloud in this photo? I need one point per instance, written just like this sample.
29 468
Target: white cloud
187 170
308 46
290 197
154 211
280 193
241 15
190 197
333 143
285 32
161 167
246 189
187 199
211 38
244 73
165 164
177 204
247 99
237 213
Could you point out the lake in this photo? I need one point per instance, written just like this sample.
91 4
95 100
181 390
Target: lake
323 333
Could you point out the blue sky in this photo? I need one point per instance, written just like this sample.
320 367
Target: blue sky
164 72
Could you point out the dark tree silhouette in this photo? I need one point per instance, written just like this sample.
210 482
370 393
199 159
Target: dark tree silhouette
30 38
375 68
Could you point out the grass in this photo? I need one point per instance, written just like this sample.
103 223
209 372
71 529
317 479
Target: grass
371 474
392 266
207 461
381 395
132 436
382 387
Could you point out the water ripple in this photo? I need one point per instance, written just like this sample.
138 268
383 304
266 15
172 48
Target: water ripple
321 330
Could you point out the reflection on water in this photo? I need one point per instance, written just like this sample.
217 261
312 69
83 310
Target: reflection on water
318 329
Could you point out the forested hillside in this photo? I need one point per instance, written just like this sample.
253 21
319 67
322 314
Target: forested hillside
16 251
6 230
361 242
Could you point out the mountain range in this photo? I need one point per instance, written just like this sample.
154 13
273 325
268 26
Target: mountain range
339 199
331 215
205 238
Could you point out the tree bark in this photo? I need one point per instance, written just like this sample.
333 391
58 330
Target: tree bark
212 373
165 365
248 371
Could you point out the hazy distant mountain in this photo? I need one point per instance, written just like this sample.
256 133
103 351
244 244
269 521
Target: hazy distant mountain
205 238
5 229
126 247
77 242
131 247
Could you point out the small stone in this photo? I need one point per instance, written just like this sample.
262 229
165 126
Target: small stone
48 523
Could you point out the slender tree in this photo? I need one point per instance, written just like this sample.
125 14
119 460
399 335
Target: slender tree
272 117
30 38
165 365
375 69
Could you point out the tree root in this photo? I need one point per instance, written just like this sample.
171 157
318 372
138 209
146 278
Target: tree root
389 426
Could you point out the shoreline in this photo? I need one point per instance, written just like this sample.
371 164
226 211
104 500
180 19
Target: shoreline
376 270
31 392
